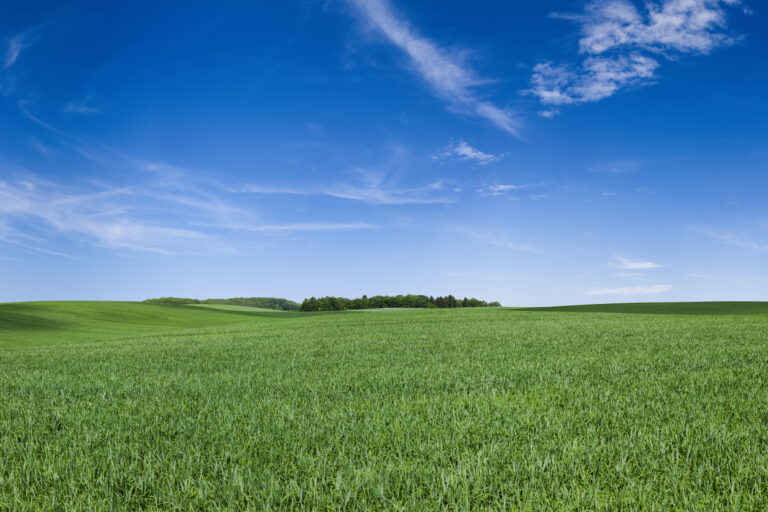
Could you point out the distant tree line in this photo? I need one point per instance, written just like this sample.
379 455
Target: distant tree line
391 301
254 302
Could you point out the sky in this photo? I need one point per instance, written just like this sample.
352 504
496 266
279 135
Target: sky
534 153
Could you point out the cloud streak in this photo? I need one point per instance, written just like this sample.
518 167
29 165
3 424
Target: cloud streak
621 46
34 212
376 186
445 73
626 264
744 240
371 194
12 52
106 218
502 189
499 240
463 151
18 43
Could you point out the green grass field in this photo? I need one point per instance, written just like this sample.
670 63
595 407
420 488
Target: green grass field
126 406
233 307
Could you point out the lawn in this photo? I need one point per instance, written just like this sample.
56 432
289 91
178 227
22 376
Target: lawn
130 406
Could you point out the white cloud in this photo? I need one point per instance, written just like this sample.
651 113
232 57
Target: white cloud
172 211
692 26
338 226
631 290
150 218
105 217
595 79
18 43
377 194
445 73
463 151
12 52
499 189
263 189
385 195
498 239
626 264
82 108
377 186
373 186
614 37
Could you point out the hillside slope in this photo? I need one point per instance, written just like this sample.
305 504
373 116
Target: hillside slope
42 323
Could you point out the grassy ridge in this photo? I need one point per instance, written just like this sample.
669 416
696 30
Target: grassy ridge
234 307
465 409
35 323
275 303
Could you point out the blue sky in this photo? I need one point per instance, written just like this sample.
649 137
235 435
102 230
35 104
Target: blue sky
529 152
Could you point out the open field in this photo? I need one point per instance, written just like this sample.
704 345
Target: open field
234 307
34 323
138 406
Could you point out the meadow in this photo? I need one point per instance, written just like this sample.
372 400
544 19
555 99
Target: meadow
129 406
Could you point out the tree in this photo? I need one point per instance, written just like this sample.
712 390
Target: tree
330 303
309 305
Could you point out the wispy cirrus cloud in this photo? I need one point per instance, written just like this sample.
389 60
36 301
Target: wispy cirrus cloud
17 43
631 290
388 196
374 185
632 270
622 45
743 239
201 206
625 264
446 73
376 194
9 235
463 151
106 217
147 218
12 52
85 108
308 226
499 239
